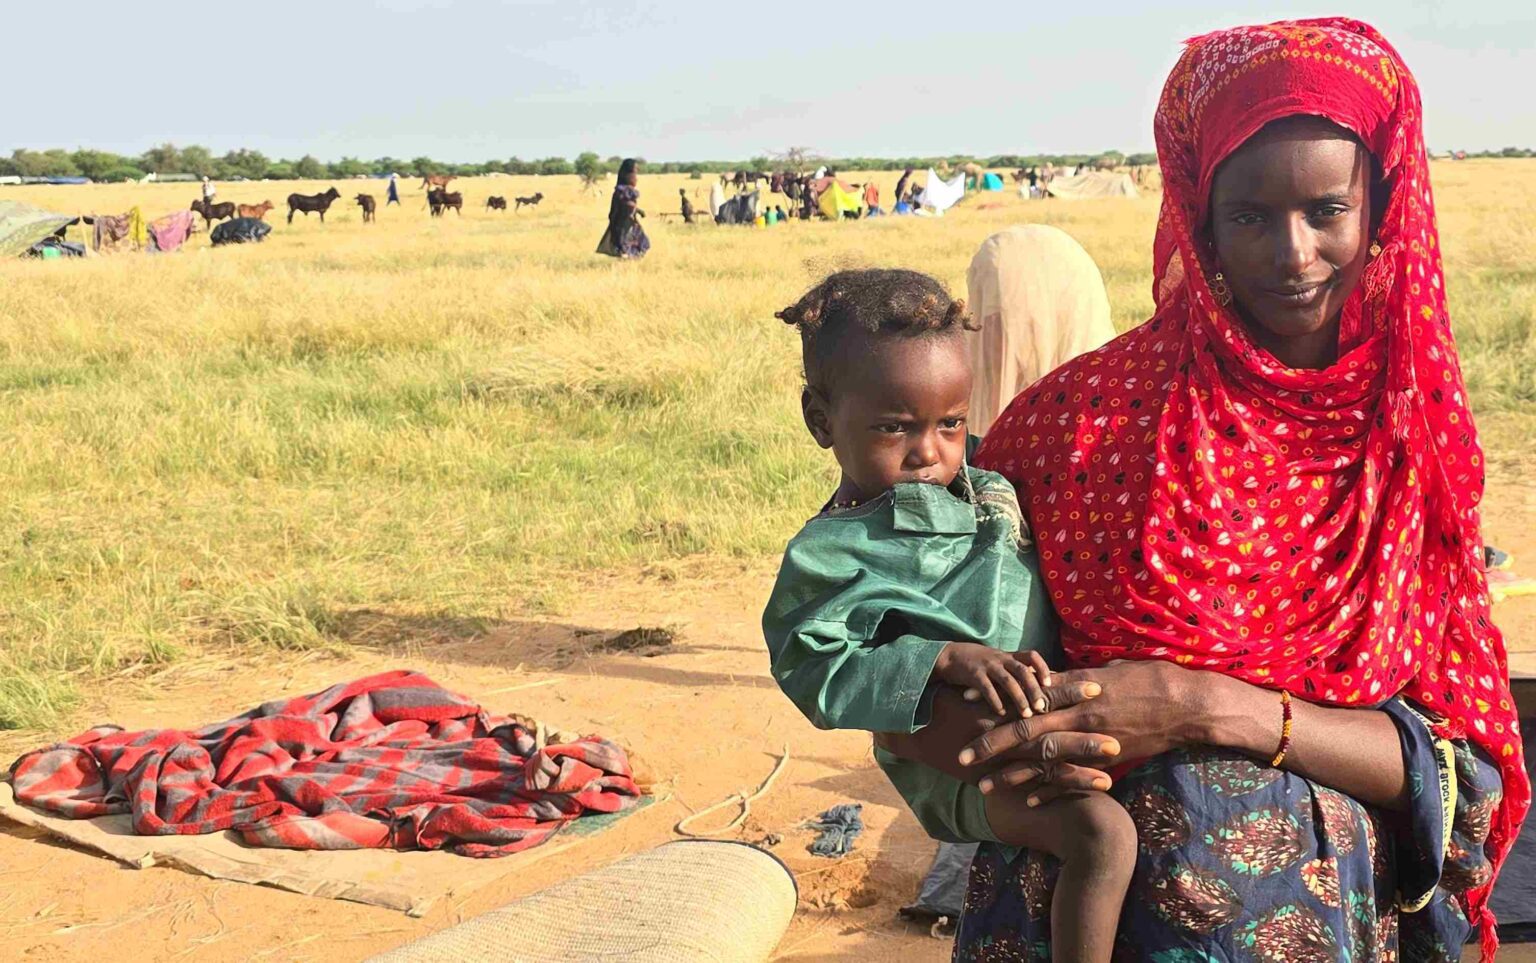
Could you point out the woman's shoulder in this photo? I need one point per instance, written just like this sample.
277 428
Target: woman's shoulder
1113 387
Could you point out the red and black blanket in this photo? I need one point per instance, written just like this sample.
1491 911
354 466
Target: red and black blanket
391 761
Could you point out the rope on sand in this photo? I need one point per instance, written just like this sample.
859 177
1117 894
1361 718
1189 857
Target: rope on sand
742 799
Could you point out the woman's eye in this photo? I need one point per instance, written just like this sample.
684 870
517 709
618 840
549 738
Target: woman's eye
1330 210
950 424
1247 219
890 429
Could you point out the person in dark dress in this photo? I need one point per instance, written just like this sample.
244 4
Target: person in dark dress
625 238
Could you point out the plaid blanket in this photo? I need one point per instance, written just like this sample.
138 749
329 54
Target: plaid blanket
390 761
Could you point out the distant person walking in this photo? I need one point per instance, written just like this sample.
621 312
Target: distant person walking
208 190
625 238
394 190
687 205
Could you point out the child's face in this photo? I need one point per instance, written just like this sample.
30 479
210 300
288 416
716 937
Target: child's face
898 415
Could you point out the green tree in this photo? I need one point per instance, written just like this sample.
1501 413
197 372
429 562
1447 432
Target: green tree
95 164
554 165
163 159
309 168
422 166
349 167
516 165
250 164
126 172
281 171
197 160
590 168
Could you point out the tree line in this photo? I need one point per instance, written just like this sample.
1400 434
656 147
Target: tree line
99 165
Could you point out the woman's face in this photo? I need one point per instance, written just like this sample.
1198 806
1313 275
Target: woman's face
1290 220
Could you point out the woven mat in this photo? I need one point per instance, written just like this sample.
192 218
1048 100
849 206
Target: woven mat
693 901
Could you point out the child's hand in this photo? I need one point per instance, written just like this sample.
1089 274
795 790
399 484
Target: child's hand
986 673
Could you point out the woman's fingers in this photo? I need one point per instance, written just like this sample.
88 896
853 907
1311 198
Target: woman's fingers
1068 689
1035 777
1043 738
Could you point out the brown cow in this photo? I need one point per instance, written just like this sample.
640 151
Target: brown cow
258 211
494 203
213 212
439 200
436 181
365 201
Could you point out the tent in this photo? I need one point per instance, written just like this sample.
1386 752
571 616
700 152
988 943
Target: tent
1092 184
991 182
741 209
22 225
940 195
835 201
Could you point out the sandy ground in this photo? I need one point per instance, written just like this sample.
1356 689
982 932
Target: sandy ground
703 713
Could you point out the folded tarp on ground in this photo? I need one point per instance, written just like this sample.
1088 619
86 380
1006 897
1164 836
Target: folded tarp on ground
22 225
392 761
241 230
1091 185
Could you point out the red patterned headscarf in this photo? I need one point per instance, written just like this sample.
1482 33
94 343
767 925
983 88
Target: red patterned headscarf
1316 531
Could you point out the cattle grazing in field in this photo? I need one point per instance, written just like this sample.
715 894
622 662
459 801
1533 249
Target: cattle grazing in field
533 201
365 201
494 203
741 180
258 211
439 200
213 212
316 203
436 181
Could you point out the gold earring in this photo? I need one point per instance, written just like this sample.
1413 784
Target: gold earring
1375 249
1220 291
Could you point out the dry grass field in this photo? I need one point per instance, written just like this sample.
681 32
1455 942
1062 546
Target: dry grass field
464 445
461 417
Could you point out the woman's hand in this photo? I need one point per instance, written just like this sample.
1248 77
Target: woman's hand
1143 709
954 723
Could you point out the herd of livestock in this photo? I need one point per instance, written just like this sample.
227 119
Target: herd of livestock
439 201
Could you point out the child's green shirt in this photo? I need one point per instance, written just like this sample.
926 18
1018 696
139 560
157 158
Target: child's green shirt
868 596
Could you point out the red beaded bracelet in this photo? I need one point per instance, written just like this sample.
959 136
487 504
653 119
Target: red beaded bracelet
1285 730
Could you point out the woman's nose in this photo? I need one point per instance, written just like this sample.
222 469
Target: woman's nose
1295 248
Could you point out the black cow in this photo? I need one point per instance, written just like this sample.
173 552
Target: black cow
316 203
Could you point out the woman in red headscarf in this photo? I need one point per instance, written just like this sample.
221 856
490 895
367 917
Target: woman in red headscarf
1257 517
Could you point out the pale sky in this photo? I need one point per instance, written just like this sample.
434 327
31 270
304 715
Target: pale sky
471 80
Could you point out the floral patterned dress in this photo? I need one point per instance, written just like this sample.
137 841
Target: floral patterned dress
1240 861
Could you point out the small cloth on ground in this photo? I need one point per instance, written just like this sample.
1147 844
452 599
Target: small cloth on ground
392 761
839 826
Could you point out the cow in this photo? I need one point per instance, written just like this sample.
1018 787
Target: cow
317 203
494 203
440 199
523 202
258 211
213 212
436 181
365 201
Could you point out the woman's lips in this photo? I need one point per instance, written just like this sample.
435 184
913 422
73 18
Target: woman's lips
1298 295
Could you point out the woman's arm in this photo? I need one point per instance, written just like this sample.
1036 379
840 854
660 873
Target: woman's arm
1148 708
1356 751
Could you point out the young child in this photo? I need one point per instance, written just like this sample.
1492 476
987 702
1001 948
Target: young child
918 572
